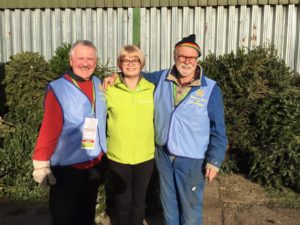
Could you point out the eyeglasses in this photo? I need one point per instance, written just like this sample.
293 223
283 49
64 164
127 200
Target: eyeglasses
134 62
182 58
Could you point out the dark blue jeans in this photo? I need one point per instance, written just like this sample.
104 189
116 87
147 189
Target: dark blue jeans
181 187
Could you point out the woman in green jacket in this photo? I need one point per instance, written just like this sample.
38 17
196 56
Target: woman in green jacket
130 136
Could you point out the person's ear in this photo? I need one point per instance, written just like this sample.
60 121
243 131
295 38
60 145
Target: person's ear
174 55
70 61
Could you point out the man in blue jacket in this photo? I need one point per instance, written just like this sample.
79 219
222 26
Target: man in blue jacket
190 133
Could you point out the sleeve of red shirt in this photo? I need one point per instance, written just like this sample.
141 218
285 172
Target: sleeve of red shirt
50 130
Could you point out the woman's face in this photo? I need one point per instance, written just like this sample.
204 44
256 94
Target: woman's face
130 66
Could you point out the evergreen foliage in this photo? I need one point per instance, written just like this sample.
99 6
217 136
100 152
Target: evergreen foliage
26 78
261 124
60 61
275 156
2 94
25 81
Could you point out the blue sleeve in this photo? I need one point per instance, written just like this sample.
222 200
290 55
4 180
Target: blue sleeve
218 140
153 77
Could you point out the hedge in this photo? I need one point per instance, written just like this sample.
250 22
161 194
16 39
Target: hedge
261 98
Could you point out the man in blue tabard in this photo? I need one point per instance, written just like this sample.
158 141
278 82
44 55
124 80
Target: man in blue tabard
72 140
190 133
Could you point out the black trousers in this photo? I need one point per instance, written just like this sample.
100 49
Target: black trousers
129 184
72 199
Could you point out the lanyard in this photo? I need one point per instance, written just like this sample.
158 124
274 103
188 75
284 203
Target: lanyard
93 100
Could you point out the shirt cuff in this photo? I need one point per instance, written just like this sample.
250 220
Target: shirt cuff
212 167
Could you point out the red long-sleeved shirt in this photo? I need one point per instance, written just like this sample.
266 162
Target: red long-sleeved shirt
52 125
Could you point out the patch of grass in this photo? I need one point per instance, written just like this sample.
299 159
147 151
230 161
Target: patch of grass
284 198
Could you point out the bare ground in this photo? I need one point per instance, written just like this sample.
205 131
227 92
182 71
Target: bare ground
230 200
247 203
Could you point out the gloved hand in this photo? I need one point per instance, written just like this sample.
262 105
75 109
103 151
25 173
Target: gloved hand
42 173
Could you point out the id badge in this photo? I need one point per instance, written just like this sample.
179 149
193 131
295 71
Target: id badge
89 133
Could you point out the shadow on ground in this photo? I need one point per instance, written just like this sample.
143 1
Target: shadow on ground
230 200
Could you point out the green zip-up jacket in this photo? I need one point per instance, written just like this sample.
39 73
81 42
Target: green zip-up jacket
130 129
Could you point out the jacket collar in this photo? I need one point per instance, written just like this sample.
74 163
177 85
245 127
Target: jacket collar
142 84
76 77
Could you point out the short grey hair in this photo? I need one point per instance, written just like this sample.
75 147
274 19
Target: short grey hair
86 43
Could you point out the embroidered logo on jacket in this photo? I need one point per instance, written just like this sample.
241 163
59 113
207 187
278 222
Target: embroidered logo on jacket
198 100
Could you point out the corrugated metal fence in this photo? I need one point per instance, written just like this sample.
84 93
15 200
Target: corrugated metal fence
44 30
219 30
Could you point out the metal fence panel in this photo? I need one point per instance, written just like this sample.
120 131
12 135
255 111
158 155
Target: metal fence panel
43 30
221 29
291 36
221 32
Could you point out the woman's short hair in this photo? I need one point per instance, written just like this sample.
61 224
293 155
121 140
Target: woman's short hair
133 51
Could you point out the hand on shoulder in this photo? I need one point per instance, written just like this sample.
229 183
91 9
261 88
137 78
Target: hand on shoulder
109 81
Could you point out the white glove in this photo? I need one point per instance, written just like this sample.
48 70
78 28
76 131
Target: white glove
42 173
